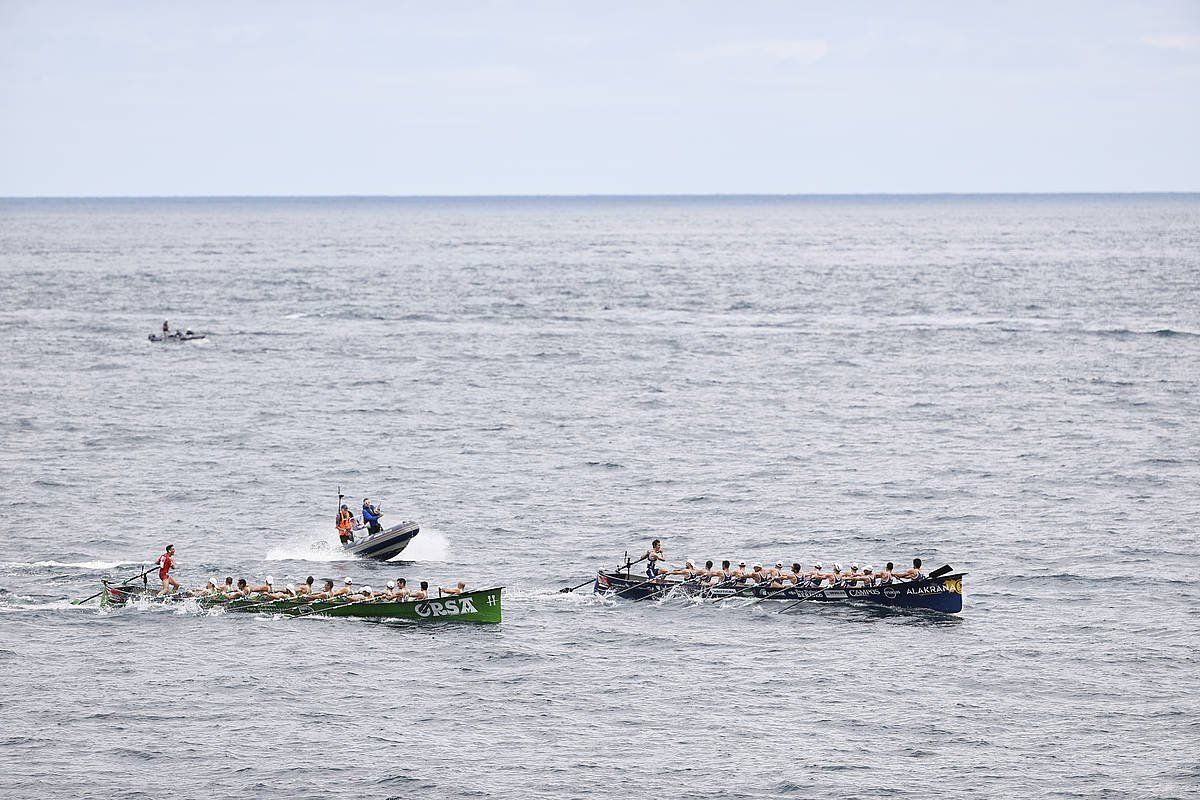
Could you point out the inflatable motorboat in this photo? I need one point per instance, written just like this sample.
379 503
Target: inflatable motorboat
382 546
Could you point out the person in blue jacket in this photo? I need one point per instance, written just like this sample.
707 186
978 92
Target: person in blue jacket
371 515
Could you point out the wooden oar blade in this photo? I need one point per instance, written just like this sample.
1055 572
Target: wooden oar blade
940 571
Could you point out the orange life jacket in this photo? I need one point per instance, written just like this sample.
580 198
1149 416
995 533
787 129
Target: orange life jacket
345 520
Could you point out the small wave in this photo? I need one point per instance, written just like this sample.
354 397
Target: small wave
20 565
29 605
1161 332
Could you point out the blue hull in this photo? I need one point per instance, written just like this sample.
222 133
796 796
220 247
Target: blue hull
942 594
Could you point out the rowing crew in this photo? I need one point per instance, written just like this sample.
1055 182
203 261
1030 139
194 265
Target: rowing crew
776 577
396 590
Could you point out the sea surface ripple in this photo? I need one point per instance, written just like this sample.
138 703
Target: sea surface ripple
1007 384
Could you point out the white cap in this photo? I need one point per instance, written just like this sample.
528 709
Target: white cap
817 565
837 567
349 581
391 585
867 569
757 565
690 563
853 565
741 563
270 581
366 589
779 563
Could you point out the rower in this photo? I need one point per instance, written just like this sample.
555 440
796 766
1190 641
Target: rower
166 563
263 588
421 593
227 587
345 525
708 570
371 515
240 590
325 593
165 330
815 576
401 588
797 574
885 575
656 560
913 574
457 588
689 569
304 588
725 575
208 588
777 581
855 577
346 590
739 574
758 577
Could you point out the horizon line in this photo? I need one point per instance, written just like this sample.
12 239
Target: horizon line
597 196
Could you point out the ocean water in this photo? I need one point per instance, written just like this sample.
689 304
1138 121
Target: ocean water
1010 385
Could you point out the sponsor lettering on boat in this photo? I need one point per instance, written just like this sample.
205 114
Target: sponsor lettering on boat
932 589
445 608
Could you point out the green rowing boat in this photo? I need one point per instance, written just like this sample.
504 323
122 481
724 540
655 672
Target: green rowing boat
479 606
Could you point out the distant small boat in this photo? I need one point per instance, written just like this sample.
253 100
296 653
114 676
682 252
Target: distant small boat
386 544
479 606
177 337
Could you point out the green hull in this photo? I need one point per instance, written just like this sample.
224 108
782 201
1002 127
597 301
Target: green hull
480 606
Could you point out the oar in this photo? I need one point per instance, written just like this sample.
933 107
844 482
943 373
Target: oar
643 583
336 605
681 584
723 583
105 589
626 565
257 604
837 585
771 595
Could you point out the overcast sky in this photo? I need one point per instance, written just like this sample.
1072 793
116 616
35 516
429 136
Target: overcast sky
400 98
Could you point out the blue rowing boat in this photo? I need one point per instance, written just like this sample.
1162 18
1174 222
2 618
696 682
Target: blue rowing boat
943 593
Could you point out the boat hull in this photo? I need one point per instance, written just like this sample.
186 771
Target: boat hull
482 606
942 594
385 545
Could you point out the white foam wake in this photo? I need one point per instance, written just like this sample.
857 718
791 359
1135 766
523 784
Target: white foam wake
66 565
429 545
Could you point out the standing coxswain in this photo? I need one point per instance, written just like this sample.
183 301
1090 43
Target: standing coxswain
166 563
656 560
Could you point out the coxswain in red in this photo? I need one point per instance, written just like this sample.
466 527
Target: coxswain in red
166 563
